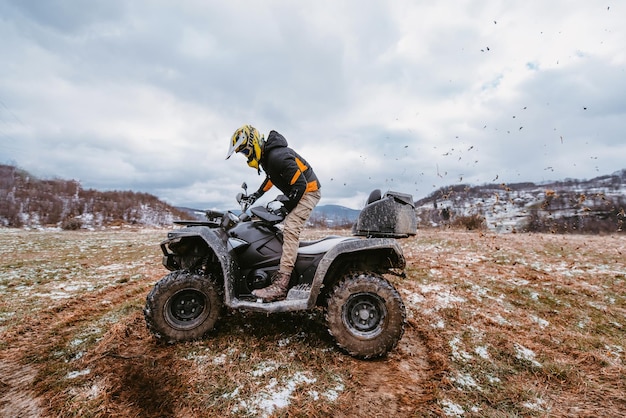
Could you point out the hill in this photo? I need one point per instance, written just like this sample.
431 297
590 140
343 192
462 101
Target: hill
587 206
26 201
334 216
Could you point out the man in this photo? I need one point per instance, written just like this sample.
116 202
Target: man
287 170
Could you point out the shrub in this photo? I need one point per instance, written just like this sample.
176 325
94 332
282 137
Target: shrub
470 222
71 224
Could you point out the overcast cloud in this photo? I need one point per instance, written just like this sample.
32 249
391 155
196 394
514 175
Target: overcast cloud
403 95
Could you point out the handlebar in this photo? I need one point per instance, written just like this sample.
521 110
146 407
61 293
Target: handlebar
276 206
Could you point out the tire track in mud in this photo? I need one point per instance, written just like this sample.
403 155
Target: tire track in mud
29 359
17 399
135 376
401 384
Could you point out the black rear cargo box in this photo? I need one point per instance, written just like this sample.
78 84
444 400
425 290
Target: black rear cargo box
391 215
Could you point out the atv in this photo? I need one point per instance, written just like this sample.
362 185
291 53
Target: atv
216 264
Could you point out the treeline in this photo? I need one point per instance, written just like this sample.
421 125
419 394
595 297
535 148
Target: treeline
568 212
571 206
28 201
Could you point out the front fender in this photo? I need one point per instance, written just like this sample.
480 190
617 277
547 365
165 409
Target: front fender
213 238
382 247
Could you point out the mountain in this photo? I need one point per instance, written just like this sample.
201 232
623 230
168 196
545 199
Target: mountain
26 201
587 206
334 216
191 214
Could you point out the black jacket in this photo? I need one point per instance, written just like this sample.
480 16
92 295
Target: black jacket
287 170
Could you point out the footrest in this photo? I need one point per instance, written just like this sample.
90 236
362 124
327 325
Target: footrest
298 292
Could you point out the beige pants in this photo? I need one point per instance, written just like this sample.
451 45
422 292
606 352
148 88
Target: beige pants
293 225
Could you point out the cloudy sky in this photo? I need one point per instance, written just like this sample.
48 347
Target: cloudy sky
404 95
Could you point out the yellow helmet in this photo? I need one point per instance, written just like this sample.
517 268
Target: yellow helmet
249 142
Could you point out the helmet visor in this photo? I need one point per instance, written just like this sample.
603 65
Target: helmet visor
238 141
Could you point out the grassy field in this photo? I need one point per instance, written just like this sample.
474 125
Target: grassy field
498 326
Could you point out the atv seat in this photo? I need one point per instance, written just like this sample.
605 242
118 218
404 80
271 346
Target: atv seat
321 245
374 196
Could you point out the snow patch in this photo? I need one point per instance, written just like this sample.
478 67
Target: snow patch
440 324
466 381
452 409
525 354
275 395
74 375
264 367
493 379
457 353
221 359
542 322
536 405
482 352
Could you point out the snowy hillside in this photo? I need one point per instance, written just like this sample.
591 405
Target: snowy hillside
595 205
29 202
588 206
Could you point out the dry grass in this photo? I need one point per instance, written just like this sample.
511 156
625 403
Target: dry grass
499 325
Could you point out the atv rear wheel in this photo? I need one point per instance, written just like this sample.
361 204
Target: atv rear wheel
183 306
365 315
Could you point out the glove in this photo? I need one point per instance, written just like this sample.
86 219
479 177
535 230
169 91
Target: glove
252 198
277 208
274 206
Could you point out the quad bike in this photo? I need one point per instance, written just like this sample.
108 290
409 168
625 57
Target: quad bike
218 262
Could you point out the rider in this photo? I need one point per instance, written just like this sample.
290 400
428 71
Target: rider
288 171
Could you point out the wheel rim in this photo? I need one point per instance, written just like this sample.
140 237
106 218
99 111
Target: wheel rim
186 309
364 315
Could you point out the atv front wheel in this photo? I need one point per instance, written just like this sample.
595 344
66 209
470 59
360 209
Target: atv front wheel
365 315
183 306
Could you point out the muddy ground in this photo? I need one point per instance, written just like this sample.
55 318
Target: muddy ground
498 325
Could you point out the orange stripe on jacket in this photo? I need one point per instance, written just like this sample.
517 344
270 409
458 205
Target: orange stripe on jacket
311 186
267 186
295 177
301 165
